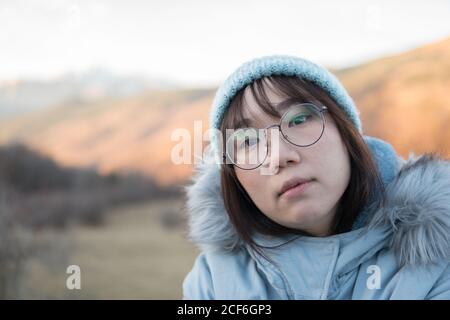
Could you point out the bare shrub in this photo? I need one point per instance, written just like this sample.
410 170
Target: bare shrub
170 219
13 248
54 196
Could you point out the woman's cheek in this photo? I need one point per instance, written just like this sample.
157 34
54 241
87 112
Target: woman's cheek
259 193
251 183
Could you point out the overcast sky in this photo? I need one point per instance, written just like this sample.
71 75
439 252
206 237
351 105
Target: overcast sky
199 42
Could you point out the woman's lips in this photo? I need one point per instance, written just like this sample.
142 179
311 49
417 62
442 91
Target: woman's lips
296 190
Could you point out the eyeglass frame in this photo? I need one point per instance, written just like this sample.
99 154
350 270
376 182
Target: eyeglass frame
320 110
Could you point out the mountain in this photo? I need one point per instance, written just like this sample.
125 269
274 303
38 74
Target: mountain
126 134
403 99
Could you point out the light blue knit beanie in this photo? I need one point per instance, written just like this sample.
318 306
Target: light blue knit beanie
281 65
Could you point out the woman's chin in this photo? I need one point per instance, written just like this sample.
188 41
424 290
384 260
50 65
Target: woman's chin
302 216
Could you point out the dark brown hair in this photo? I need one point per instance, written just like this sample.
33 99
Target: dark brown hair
364 178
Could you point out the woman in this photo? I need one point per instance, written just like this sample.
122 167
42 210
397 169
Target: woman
307 207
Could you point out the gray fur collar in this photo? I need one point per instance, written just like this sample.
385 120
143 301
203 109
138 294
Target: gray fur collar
417 210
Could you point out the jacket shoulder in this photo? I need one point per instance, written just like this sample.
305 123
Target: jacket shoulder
197 285
441 289
211 275
210 267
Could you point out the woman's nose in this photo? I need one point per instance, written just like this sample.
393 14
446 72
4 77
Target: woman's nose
281 153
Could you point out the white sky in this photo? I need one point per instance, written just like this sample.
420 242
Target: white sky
199 42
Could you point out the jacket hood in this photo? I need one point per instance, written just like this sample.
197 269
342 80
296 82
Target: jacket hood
416 206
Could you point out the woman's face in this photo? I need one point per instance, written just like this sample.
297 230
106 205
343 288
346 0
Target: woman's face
326 163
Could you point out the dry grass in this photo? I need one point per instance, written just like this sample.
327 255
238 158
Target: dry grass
131 257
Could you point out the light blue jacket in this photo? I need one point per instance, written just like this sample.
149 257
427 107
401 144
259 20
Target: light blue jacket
399 251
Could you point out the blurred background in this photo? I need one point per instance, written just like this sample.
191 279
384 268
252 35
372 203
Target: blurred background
91 91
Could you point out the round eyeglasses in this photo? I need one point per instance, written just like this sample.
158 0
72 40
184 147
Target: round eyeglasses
302 125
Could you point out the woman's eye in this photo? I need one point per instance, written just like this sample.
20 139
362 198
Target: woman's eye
299 119
249 141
